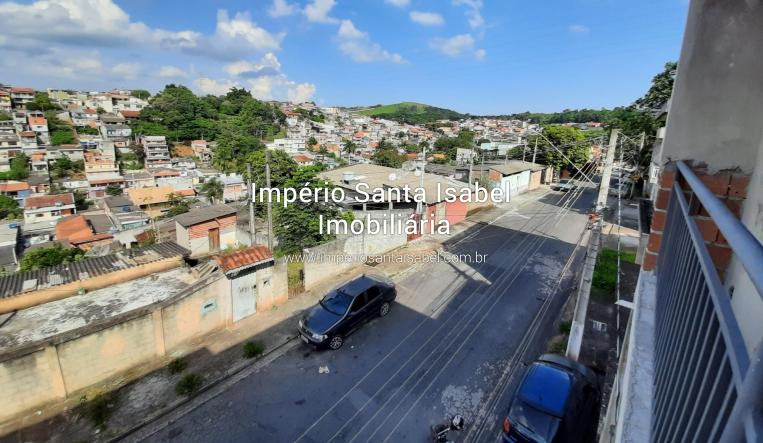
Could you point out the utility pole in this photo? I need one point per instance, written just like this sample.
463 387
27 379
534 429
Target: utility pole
524 150
252 237
270 214
606 174
535 149
421 177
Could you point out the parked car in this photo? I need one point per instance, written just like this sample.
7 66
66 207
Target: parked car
346 308
564 185
556 401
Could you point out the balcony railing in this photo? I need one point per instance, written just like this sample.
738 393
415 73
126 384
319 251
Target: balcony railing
706 385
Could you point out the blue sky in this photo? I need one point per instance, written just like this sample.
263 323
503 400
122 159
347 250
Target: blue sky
482 57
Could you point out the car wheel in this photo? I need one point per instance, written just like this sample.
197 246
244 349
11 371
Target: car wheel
336 342
384 309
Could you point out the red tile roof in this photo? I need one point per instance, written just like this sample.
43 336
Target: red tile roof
244 259
89 111
22 90
13 187
27 134
130 114
166 173
46 201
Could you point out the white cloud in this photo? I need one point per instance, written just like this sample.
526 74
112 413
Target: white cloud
281 8
214 87
263 78
398 3
126 70
358 46
317 11
240 36
81 23
473 12
427 18
102 23
457 46
172 72
579 29
301 93
267 65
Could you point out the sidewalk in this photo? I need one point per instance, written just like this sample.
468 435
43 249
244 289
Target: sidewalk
218 357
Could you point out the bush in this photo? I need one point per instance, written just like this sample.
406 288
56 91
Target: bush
565 327
99 409
253 349
558 345
189 384
177 366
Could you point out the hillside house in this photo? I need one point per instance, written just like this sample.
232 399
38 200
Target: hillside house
205 230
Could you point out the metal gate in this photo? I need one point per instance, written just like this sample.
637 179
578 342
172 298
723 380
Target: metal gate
244 295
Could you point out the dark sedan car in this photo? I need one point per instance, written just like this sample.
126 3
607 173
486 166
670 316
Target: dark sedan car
557 401
346 308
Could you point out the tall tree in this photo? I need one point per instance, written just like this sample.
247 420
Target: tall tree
662 88
213 189
297 225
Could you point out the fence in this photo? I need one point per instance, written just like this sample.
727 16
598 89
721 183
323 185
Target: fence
705 387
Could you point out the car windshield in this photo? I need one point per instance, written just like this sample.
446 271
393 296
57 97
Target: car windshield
563 182
336 302
546 388
533 423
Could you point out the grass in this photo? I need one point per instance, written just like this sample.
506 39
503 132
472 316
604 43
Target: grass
558 345
177 366
99 409
605 273
253 349
189 384
294 272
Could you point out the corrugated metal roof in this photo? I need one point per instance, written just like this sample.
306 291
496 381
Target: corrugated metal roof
202 215
90 267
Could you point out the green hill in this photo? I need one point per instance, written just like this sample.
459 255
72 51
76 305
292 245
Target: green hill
411 113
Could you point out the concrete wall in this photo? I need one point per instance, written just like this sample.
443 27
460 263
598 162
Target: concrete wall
124 348
357 245
718 94
715 120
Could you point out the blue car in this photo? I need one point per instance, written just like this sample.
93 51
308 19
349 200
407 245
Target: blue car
556 402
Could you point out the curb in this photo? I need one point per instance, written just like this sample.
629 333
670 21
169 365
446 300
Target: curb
197 399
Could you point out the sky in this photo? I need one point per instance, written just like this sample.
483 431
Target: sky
474 56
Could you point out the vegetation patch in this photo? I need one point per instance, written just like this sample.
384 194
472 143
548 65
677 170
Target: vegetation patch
177 366
253 349
99 409
189 384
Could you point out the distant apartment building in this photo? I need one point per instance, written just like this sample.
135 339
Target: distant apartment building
5 102
156 150
21 96
46 208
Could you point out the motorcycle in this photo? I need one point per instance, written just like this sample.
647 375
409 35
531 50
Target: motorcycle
440 432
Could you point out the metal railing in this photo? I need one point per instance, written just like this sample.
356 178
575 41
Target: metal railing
705 387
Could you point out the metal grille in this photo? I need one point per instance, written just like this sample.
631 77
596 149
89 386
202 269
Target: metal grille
700 356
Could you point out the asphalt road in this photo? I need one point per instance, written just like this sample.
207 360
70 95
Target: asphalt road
456 341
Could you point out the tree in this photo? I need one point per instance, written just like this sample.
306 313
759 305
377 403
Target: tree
42 102
113 189
9 207
662 88
61 167
19 168
46 257
178 205
213 189
386 155
297 225
349 147
570 141
282 167
140 93
311 142
4 116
